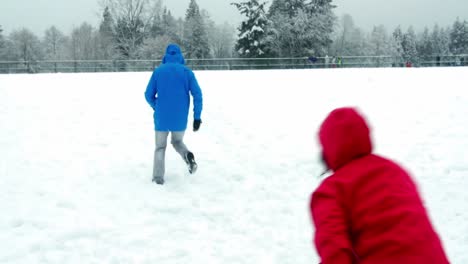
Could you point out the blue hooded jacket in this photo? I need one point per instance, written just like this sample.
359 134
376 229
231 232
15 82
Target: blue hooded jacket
168 92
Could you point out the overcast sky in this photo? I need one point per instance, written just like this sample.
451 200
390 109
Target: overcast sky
38 15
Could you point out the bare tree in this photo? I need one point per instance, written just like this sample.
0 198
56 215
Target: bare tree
83 43
223 40
26 47
54 44
133 23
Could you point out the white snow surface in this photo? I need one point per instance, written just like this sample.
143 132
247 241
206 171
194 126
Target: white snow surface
76 154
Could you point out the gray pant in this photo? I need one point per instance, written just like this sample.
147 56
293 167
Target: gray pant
177 141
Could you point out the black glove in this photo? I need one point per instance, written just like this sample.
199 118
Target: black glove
196 125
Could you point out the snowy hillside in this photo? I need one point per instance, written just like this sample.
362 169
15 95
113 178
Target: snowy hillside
76 156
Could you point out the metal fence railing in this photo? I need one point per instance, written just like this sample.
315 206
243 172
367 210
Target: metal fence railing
65 66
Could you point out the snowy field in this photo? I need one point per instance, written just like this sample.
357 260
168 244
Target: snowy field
76 156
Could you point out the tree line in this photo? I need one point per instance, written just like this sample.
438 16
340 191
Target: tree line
141 29
310 28
128 30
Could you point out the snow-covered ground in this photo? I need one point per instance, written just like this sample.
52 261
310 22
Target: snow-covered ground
76 156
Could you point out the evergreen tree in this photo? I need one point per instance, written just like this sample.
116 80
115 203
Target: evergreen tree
251 37
325 19
2 39
107 36
395 50
459 37
410 52
210 27
443 44
398 44
424 45
156 28
378 41
195 35
2 45
170 26
347 39
106 28
286 7
300 28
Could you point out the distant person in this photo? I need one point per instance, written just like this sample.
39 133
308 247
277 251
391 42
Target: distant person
369 210
168 93
327 61
409 64
313 59
340 61
333 62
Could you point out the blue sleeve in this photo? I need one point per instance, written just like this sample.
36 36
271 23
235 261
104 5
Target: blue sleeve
197 97
151 91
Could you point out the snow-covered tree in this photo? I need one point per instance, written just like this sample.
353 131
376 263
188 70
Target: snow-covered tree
170 27
251 36
441 41
410 52
107 45
83 44
223 41
424 44
300 28
2 44
2 39
133 22
396 46
324 21
154 48
163 32
210 28
290 8
349 40
195 36
459 37
24 46
378 43
346 27
54 44
156 27
27 46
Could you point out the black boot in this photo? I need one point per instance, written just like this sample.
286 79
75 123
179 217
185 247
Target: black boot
158 180
190 160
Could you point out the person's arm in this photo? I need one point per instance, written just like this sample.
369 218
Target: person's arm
331 231
151 91
197 97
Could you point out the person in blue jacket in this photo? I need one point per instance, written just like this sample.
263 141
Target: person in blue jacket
168 93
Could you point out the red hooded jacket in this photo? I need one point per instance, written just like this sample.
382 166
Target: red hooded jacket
369 211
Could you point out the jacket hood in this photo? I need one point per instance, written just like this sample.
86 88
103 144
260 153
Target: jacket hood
173 55
344 136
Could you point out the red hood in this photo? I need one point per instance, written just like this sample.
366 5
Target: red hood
344 136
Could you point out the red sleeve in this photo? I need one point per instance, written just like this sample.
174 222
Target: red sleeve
331 231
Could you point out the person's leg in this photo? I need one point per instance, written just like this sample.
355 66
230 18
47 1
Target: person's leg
159 156
177 141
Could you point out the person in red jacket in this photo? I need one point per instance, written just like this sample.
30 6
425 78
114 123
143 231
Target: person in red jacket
369 210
